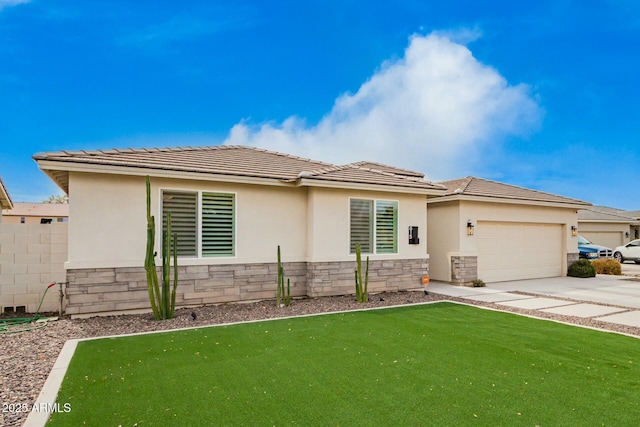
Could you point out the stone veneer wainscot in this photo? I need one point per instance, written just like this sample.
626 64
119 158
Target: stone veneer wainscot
101 290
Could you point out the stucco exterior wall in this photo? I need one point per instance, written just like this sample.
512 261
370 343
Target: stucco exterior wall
107 225
443 238
328 224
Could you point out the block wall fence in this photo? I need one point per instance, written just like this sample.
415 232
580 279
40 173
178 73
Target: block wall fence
32 256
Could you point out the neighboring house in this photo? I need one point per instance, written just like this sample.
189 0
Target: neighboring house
36 213
231 207
482 229
608 226
635 229
5 200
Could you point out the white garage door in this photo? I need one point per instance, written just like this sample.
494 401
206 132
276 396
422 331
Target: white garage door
610 239
515 251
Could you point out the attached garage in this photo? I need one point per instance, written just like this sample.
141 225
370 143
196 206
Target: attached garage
488 230
515 251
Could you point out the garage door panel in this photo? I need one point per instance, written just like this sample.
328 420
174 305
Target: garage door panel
610 239
515 251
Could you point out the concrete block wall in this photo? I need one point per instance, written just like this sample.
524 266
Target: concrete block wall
32 256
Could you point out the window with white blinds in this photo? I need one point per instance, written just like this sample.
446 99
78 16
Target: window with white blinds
361 216
386 227
374 224
204 222
218 212
184 213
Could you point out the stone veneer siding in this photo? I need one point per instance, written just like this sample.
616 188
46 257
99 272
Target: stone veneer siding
118 289
338 278
464 269
571 258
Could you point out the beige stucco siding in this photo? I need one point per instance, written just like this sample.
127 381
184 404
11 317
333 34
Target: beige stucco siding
443 238
107 221
329 224
104 233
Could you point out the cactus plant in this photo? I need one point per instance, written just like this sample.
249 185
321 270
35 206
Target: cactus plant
362 292
282 298
163 301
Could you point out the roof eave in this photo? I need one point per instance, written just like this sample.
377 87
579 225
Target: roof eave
611 221
514 201
5 199
53 169
306 182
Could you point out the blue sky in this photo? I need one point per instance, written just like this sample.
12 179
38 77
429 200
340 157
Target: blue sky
538 94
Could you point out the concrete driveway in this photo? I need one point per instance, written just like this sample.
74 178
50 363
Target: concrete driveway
631 268
614 299
616 290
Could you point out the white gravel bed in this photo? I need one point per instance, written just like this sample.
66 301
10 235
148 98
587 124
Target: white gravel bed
26 358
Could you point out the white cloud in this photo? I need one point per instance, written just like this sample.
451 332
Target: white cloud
9 3
428 111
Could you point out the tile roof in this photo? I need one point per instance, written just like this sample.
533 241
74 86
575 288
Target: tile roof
5 198
354 173
605 214
39 209
472 186
387 168
633 214
232 161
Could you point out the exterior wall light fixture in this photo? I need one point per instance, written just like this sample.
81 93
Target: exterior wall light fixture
626 234
574 230
470 228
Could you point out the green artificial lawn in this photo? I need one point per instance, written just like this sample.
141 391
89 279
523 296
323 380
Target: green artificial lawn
436 364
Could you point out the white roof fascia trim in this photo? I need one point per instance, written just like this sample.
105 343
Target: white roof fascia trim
505 200
368 187
159 173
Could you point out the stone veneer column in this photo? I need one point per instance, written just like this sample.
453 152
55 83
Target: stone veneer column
464 269
571 258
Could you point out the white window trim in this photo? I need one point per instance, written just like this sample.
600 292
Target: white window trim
375 235
199 222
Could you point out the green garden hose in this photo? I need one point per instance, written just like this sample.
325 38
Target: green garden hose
24 324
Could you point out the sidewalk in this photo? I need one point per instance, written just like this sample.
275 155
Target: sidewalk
613 299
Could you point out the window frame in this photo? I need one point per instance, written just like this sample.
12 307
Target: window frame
374 226
199 221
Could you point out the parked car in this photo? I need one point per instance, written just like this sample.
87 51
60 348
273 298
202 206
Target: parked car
589 250
628 252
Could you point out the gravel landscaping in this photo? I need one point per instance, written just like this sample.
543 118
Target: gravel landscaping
27 358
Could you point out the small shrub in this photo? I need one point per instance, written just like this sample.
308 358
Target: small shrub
478 283
607 266
582 268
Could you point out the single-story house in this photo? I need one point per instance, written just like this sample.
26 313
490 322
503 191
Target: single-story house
5 199
482 229
608 226
36 213
231 207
